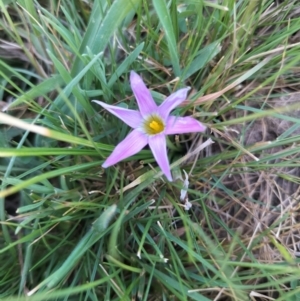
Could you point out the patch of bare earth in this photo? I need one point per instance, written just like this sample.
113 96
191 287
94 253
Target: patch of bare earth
260 201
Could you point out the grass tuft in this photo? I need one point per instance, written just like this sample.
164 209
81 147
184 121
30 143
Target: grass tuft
226 228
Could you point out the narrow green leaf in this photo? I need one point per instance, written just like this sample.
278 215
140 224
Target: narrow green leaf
9 120
125 64
97 39
46 86
43 151
165 19
91 237
47 175
203 57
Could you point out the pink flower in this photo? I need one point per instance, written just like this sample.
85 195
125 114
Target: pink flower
150 125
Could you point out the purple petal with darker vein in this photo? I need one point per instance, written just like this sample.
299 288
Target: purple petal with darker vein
172 101
131 145
182 125
130 117
158 147
142 94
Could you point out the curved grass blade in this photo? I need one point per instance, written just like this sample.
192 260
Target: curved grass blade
90 238
165 19
12 121
97 39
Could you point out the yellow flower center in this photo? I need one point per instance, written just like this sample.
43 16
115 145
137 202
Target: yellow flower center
154 125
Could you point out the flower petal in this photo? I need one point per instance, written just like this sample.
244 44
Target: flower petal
182 125
131 145
142 94
130 117
158 147
172 101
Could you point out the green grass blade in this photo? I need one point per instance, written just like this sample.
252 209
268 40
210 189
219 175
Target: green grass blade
100 30
165 19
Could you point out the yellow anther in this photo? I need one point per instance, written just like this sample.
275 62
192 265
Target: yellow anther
154 125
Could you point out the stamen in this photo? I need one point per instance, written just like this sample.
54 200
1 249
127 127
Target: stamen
154 125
